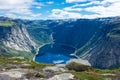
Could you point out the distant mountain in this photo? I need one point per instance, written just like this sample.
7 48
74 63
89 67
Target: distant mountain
97 40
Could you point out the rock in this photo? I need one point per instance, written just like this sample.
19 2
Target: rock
13 73
80 61
54 68
64 76
57 68
108 74
50 71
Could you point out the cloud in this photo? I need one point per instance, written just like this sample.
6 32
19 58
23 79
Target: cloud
88 4
72 9
62 14
38 7
89 9
75 1
103 11
50 2
19 7
93 9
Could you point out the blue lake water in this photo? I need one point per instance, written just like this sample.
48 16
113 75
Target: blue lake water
53 58
56 54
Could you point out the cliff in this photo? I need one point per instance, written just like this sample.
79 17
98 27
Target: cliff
14 37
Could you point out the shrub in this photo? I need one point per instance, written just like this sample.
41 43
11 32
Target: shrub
77 67
35 74
39 75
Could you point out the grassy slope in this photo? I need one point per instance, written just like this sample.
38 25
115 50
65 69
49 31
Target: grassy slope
6 24
15 62
9 52
93 74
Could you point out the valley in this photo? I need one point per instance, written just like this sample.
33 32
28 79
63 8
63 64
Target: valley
95 40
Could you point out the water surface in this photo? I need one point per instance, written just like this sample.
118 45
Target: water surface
55 54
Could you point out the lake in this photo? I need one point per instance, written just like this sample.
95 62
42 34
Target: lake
56 54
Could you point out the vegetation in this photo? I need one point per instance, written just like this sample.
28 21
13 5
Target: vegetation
87 76
6 24
13 62
96 74
9 52
80 74
34 74
35 65
83 72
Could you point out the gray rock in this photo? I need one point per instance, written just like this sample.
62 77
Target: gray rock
64 76
80 61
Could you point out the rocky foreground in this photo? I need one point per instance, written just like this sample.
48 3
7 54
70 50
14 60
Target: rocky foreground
20 69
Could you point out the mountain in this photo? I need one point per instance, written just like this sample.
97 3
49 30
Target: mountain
97 40
14 39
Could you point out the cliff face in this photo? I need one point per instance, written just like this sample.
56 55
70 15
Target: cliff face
106 51
15 36
18 38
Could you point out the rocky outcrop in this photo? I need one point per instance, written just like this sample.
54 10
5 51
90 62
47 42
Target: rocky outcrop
18 38
64 76
15 40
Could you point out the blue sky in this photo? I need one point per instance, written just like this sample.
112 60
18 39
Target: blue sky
59 9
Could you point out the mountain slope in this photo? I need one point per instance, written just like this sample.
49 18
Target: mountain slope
96 40
14 38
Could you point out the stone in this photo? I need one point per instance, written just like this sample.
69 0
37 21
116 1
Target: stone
64 76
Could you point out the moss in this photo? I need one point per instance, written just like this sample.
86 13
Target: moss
6 60
35 65
13 63
87 76
9 52
6 24
34 74
100 71
39 75
30 74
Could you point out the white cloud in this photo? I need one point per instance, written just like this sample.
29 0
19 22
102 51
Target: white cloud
88 4
50 2
105 8
111 10
61 14
38 7
19 7
72 9
75 1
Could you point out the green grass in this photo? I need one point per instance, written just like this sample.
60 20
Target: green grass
16 53
4 61
87 76
112 71
6 24
34 74
36 66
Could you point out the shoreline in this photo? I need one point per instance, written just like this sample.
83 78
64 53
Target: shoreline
38 50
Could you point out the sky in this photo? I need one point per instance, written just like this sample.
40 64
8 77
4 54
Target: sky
59 9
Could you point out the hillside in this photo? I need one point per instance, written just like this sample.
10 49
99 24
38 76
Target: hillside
15 40
97 40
